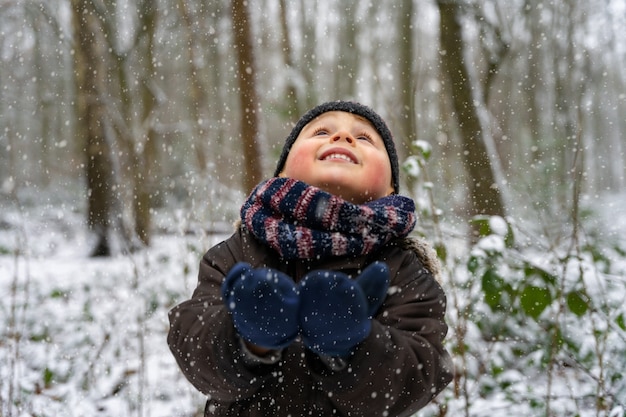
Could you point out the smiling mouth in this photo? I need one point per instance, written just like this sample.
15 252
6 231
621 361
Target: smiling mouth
336 156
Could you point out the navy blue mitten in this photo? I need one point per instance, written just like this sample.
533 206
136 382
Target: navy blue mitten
336 311
264 305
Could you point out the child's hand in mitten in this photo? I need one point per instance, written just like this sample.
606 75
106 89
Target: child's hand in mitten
264 305
336 311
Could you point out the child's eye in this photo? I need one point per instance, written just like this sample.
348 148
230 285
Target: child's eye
365 136
320 131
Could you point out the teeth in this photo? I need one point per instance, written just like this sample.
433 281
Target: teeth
339 156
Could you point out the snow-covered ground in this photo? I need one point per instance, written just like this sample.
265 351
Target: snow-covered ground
86 336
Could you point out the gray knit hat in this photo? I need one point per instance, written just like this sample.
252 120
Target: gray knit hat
349 107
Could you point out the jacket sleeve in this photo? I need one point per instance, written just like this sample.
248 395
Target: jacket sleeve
203 340
402 364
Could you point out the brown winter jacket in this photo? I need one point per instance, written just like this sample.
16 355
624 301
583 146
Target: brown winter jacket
395 371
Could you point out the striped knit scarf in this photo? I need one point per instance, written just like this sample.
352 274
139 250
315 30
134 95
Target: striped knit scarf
300 221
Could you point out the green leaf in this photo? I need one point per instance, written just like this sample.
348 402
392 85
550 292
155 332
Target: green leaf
482 222
535 300
472 264
621 322
442 252
58 294
424 148
509 239
533 271
412 167
493 286
577 303
48 377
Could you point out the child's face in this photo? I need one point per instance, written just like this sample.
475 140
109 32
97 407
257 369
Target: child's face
342 154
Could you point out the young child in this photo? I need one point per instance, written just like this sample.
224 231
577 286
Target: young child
319 304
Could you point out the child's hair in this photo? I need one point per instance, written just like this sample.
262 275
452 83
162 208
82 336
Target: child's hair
348 107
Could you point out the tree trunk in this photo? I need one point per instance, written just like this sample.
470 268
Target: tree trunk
145 157
90 72
407 84
535 85
484 195
292 110
197 95
248 102
347 63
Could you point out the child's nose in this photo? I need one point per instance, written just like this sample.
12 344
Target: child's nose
343 135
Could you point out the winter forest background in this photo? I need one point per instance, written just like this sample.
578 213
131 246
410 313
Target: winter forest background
131 131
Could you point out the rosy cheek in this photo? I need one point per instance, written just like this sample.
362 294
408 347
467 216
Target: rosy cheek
294 164
379 182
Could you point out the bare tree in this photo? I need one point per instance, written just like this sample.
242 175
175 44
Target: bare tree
293 109
347 63
536 86
484 195
129 108
90 70
248 101
407 82
308 64
197 94
144 157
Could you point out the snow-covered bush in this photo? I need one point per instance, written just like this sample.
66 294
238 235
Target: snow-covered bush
537 325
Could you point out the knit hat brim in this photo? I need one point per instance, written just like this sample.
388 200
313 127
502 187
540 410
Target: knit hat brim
348 107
